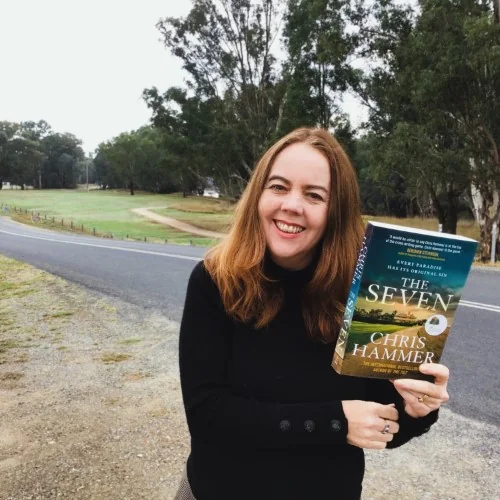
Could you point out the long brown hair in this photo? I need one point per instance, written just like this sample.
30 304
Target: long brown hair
236 264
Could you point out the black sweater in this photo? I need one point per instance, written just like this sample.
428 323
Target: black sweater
264 406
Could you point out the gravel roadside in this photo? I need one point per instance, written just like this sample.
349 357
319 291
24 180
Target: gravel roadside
91 407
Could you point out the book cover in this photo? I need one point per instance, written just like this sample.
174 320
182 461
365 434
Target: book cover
403 297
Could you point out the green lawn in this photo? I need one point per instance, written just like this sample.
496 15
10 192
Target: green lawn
106 211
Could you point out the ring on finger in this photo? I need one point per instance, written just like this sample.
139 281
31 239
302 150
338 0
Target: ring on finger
422 398
386 427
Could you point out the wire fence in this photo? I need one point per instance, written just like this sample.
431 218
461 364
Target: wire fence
36 217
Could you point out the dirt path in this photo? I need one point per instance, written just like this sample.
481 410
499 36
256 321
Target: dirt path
177 224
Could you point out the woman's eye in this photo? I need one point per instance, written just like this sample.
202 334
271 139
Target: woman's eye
316 196
277 187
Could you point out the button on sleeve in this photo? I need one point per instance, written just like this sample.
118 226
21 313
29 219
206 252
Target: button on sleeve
285 425
335 425
309 425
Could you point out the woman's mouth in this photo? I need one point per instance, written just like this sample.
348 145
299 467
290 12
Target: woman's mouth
288 228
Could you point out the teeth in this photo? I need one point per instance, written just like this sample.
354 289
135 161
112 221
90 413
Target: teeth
288 229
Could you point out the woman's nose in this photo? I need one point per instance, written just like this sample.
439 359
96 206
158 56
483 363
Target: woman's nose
292 202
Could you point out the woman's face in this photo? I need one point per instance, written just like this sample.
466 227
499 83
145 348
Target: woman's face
293 207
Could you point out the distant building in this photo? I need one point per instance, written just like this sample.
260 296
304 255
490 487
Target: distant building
211 193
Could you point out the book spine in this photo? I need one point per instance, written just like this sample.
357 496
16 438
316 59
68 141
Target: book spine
351 301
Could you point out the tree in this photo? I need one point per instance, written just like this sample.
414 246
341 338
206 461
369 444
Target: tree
7 132
142 159
202 142
62 152
26 162
104 175
20 153
237 96
458 83
35 132
434 99
124 154
319 46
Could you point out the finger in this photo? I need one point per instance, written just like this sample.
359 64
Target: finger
387 438
388 412
407 395
432 403
419 387
440 372
424 399
418 400
386 426
394 428
389 426
375 445
367 443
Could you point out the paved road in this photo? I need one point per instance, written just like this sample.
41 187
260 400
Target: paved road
145 274
155 276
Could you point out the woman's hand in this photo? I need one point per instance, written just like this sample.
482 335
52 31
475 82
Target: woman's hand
370 425
422 397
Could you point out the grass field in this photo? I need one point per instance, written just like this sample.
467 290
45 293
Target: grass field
109 213
106 211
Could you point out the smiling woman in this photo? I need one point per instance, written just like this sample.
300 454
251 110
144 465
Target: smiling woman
268 416
293 207
301 202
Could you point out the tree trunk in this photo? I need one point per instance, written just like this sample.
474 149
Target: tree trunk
438 208
486 209
451 222
131 187
485 240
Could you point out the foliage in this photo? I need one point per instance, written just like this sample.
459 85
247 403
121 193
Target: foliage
320 47
30 153
144 159
237 97
62 154
434 105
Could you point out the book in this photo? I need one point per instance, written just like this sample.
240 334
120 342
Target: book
402 301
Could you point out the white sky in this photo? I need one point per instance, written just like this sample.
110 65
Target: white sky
82 65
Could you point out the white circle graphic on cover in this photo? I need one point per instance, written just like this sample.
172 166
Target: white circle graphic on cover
436 325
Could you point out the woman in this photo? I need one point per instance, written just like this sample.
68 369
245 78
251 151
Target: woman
268 416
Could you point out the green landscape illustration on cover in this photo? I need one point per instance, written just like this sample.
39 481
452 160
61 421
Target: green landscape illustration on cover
409 292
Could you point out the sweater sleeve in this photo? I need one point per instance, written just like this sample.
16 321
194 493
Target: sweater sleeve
213 411
382 391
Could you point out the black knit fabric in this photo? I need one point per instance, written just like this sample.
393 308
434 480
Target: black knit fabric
264 406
